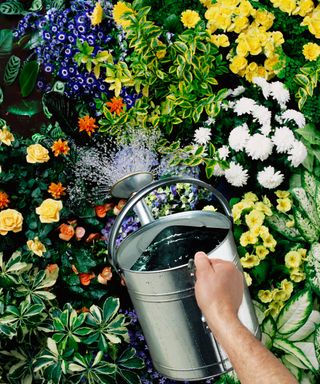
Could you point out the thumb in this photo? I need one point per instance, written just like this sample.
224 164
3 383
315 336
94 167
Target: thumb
203 265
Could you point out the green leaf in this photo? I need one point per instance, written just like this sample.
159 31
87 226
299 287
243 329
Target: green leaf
36 5
11 70
129 377
301 79
1 96
309 183
310 133
313 267
25 108
11 7
307 329
110 308
6 42
295 313
305 226
307 204
28 77
268 326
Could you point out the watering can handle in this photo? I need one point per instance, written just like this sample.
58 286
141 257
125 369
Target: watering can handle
145 191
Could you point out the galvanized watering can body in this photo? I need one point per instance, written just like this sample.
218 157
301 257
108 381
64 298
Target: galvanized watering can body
180 343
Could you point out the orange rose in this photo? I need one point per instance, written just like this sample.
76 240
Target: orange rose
105 275
119 206
85 278
66 232
93 236
101 210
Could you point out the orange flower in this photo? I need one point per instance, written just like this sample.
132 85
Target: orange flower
83 310
52 271
66 232
56 190
85 278
101 210
60 147
80 232
116 105
93 236
105 275
4 200
119 206
87 124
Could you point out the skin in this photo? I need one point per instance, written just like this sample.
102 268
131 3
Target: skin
219 290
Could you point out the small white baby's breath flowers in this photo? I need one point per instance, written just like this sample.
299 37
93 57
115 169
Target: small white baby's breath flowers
202 135
238 137
259 147
270 178
297 153
236 175
283 139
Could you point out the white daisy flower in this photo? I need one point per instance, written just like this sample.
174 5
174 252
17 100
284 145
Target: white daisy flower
223 152
264 85
259 147
280 93
236 175
297 153
218 171
238 137
297 117
283 139
270 178
244 105
202 135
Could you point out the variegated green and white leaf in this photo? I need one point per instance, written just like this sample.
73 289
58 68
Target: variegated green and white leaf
317 199
313 267
278 222
295 313
309 351
317 342
291 348
307 204
307 329
259 310
292 359
309 183
292 368
269 327
305 226
266 340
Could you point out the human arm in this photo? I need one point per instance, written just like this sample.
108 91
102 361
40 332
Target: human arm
219 291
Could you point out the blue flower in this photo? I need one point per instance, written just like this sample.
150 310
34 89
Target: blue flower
61 36
48 68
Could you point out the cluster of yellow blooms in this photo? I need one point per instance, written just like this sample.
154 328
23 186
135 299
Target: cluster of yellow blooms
276 297
294 261
254 37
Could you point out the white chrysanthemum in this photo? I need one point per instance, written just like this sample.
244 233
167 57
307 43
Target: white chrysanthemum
244 105
210 121
236 175
262 115
283 139
259 147
270 178
265 129
218 171
237 91
238 137
264 85
202 135
297 117
223 152
280 93
297 153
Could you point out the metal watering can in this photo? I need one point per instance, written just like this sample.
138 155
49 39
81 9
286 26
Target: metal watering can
154 262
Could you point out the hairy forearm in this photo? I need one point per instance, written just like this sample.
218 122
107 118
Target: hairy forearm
253 363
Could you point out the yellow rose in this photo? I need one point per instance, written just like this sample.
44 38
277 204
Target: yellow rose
220 40
245 8
264 18
238 63
305 6
311 51
265 296
10 220
239 24
293 259
249 261
190 18
36 153
49 211
223 21
287 6
6 137
36 246
284 205
271 62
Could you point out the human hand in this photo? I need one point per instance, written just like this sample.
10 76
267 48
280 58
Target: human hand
218 288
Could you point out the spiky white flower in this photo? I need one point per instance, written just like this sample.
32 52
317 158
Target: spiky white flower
202 135
223 152
236 175
270 178
263 116
297 117
283 139
297 153
210 121
264 85
237 91
238 137
217 170
280 93
259 147
244 105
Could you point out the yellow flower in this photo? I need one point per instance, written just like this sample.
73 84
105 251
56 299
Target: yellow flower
245 8
287 286
282 194
312 21
36 153
260 206
6 137
311 51
36 246
239 207
265 296
238 64
264 232
284 205
297 275
249 261
206 3
264 18
209 208
293 259
239 24
290 224
118 11
261 251
274 308
247 238
247 278
254 219
97 14
270 242
49 211
250 197
190 18
266 201
303 253
10 220
280 295
305 6
220 40
255 231
288 6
